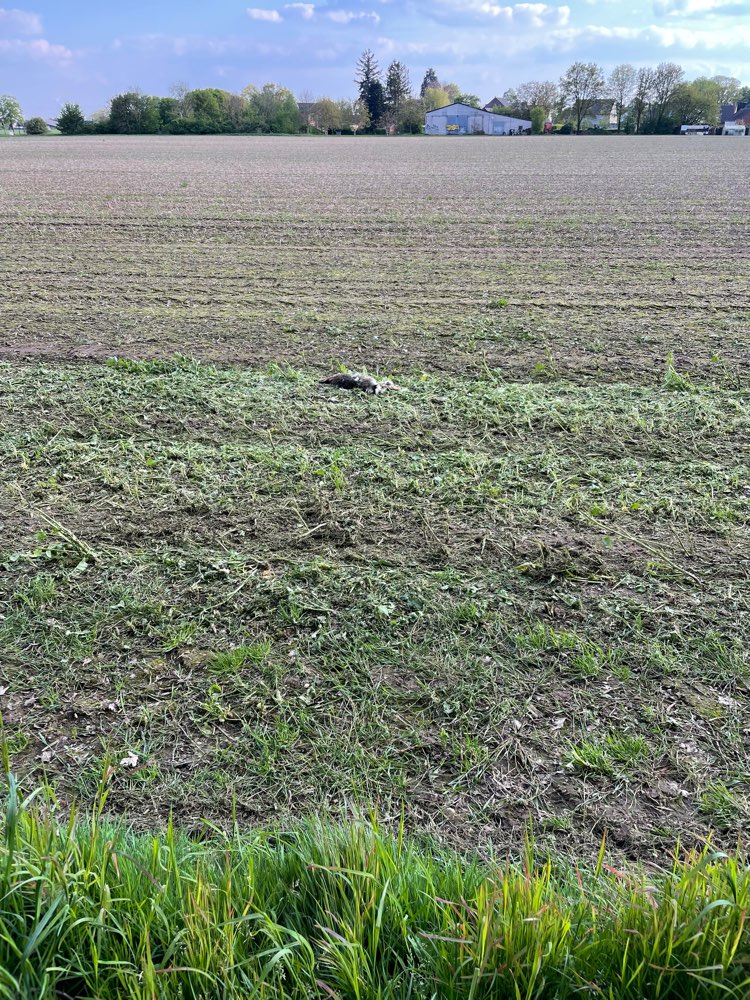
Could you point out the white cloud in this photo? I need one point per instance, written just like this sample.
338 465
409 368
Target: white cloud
654 35
307 10
261 14
691 8
19 22
392 45
346 16
186 46
38 48
535 15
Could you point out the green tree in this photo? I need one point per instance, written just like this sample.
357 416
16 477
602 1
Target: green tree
471 99
696 103
708 92
538 118
397 88
434 98
429 82
170 117
412 116
209 110
581 85
729 88
71 120
133 113
352 115
10 111
371 91
272 109
327 115
36 126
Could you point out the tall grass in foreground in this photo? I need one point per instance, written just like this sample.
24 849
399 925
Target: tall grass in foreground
92 910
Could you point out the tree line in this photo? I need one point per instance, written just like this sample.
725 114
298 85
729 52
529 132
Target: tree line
645 100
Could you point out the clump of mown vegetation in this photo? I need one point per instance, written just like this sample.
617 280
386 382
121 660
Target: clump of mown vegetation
346 911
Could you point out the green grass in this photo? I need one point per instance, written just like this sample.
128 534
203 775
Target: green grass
614 752
88 910
320 599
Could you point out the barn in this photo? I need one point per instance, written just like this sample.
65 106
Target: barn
463 119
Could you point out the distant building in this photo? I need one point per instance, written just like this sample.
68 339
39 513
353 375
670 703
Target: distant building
463 119
736 114
307 113
494 105
601 114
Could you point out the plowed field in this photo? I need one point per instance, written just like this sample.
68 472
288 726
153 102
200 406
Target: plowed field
517 590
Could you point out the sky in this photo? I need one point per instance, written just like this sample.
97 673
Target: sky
85 51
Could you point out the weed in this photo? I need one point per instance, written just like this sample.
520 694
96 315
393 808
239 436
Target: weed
176 636
614 752
232 660
674 380
725 808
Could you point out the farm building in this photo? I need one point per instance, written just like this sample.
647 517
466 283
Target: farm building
463 119
736 114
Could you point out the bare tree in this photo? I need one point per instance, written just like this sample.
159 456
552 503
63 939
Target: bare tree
621 86
581 85
537 94
510 99
644 82
180 91
305 102
667 78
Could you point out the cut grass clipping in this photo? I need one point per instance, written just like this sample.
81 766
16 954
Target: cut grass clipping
92 910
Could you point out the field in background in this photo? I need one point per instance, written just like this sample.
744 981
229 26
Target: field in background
516 590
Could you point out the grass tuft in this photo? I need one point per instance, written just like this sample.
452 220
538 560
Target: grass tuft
93 910
676 381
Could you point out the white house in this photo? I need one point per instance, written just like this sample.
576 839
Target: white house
463 119
602 114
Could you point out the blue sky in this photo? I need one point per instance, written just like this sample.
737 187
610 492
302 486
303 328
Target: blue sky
86 51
